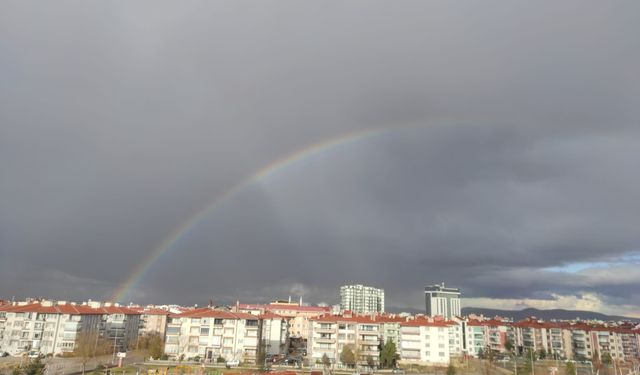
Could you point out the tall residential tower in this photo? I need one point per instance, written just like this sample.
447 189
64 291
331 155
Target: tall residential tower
442 301
361 299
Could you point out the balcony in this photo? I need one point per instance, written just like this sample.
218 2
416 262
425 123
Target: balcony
324 339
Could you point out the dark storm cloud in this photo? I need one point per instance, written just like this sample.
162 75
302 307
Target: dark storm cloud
510 149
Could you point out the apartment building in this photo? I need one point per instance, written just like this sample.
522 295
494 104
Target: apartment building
330 334
152 320
274 332
361 299
297 316
56 327
120 325
476 338
209 333
427 342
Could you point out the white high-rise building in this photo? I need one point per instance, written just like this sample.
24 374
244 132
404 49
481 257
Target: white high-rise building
361 299
441 301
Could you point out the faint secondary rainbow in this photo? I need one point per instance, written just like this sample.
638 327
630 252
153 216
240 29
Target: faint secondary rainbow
179 232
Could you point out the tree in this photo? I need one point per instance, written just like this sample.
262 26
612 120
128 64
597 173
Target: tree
348 356
88 345
570 368
370 361
531 355
451 370
490 355
542 354
325 360
606 359
33 367
152 344
481 353
508 345
388 354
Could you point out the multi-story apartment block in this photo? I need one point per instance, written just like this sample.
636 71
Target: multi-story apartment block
476 338
427 342
330 334
362 299
274 332
120 326
297 316
209 333
57 327
152 320
442 301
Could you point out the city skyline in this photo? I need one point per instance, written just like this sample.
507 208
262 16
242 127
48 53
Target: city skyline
158 153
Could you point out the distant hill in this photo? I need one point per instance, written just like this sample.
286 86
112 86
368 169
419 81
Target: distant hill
544 314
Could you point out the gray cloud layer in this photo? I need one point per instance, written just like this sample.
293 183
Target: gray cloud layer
511 147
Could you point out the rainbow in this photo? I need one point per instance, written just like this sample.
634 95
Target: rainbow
182 230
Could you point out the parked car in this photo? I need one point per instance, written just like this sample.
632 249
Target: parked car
35 354
398 370
4 354
233 363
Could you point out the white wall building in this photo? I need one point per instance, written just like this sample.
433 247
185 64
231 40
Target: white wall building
361 299
330 334
208 333
427 342
56 327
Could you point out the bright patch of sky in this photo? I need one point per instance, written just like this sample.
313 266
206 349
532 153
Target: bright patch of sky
632 258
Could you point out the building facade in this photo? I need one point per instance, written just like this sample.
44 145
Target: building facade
331 334
427 342
442 301
208 334
50 327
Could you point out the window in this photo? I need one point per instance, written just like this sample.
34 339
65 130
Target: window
218 321
172 340
195 320
204 331
441 354
254 323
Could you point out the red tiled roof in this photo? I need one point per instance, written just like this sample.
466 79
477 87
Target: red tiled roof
207 312
426 323
270 315
277 306
68 309
490 323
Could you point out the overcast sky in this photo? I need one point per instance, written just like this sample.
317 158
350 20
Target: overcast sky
507 164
